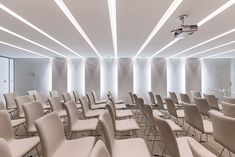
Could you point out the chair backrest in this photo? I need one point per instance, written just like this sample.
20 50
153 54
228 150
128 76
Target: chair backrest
4 148
90 99
171 107
108 128
72 112
192 116
152 99
66 96
10 100
131 97
228 109
40 97
2 106
203 106
212 101
140 102
32 92
173 97
76 95
20 100
229 99
159 101
55 104
6 131
94 95
54 93
51 133
184 98
112 113
223 130
150 115
33 111
196 94
84 104
167 136
100 150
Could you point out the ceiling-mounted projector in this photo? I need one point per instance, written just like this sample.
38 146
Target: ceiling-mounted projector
184 30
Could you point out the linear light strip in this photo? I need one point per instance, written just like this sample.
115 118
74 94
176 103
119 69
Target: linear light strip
207 41
113 22
20 48
174 5
33 42
216 12
198 53
206 19
165 47
36 28
71 18
218 54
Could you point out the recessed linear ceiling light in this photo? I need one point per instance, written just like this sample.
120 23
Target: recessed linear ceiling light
206 19
165 47
69 15
23 49
36 28
207 41
198 53
33 42
113 23
174 5
218 54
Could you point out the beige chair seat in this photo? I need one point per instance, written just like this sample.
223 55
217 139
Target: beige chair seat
62 113
81 147
78 105
188 147
126 125
100 101
120 106
46 107
119 102
85 125
208 127
124 113
32 129
174 127
134 147
180 113
93 113
11 110
17 122
98 106
157 113
20 147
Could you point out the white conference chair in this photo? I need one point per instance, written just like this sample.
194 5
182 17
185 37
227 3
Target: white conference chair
121 113
67 97
20 100
174 98
228 109
76 96
96 99
118 106
196 94
229 99
184 98
56 106
135 147
161 105
53 140
203 106
224 128
181 146
54 93
92 104
4 148
32 92
10 100
213 102
77 125
41 98
18 147
152 99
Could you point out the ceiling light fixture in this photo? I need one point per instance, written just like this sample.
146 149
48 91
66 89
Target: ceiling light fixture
113 23
36 28
218 54
165 47
198 53
33 42
71 18
23 49
206 19
216 12
174 5
205 42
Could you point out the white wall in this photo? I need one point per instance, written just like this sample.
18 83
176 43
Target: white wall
32 74
4 76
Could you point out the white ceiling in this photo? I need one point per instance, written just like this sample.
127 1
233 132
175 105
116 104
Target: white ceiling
135 21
